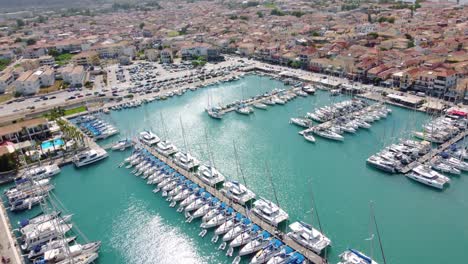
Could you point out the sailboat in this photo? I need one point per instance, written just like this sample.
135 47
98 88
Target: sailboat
354 256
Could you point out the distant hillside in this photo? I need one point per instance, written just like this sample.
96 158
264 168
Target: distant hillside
29 4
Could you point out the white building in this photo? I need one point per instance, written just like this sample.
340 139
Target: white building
74 75
365 28
29 82
6 80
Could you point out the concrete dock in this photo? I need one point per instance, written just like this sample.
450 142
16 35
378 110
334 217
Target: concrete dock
330 122
251 101
310 255
434 152
9 250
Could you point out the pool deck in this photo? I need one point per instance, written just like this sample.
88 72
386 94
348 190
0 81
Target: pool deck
8 247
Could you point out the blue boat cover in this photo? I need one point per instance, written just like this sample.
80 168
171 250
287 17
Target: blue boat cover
238 216
214 200
246 221
255 228
230 210
277 243
265 234
24 222
296 258
360 255
287 249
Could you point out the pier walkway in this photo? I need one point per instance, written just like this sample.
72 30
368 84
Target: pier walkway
251 101
313 257
9 250
434 152
330 122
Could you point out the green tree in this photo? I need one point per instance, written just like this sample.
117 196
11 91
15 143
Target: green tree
17 40
142 25
54 53
20 23
259 14
276 12
30 42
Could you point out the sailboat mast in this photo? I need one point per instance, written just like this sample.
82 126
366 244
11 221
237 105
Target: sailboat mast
210 156
270 176
239 167
378 233
183 135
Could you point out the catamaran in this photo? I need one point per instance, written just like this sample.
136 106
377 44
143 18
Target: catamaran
148 138
309 237
209 175
237 192
166 148
269 212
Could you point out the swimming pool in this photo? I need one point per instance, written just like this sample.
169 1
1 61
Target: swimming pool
51 143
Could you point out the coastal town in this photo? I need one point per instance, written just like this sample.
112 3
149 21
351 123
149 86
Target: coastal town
202 100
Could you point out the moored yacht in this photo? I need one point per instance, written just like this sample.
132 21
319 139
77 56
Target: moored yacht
237 192
148 138
269 212
209 175
41 172
166 148
122 144
267 252
309 237
353 256
89 157
186 161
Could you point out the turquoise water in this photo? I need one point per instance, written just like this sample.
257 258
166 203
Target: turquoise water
417 224
51 143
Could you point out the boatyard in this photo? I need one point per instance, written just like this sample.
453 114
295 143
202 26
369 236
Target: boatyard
288 179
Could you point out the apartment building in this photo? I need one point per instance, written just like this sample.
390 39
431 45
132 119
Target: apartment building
86 58
74 75
6 80
46 60
166 56
29 82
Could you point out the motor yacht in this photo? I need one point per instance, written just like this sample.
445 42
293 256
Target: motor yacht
41 172
89 157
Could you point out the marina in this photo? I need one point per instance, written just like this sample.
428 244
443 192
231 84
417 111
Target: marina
347 116
313 257
142 228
